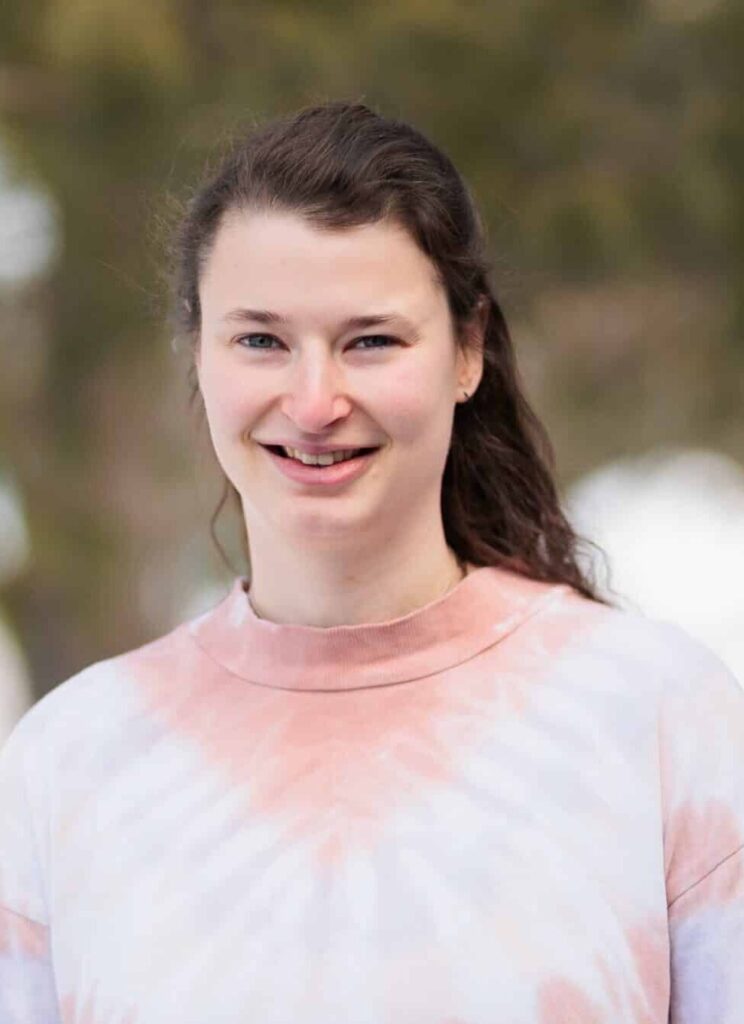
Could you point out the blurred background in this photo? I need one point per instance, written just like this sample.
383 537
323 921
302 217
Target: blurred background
604 142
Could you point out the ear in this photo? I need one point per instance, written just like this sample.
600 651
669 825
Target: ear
194 372
470 357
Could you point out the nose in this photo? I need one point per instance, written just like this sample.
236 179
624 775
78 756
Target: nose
316 393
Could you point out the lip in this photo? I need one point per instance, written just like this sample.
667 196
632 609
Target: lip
316 449
322 476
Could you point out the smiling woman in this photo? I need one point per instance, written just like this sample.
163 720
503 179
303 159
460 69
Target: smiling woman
315 387
316 228
411 768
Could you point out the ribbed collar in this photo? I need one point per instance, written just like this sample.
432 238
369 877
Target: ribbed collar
482 609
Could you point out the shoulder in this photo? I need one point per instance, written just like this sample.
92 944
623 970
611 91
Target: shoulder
696 706
660 657
690 708
102 698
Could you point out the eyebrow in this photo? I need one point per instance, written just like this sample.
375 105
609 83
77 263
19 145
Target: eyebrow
265 316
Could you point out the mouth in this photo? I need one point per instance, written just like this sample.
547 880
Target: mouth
341 472
277 449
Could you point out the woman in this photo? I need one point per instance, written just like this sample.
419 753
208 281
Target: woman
413 769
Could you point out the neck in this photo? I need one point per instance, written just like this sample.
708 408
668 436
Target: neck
340 593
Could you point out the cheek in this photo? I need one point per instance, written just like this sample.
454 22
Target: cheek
227 399
414 405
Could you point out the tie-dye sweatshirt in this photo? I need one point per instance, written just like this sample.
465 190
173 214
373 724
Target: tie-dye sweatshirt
511 806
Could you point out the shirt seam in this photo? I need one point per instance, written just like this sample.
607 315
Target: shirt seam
24 917
663 710
707 874
36 745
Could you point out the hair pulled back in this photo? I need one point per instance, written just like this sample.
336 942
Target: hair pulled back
340 164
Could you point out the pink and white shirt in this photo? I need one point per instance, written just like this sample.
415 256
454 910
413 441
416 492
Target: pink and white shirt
511 806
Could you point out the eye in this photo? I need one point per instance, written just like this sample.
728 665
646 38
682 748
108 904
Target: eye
245 340
377 337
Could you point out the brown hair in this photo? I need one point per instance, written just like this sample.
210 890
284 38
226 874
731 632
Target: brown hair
341 164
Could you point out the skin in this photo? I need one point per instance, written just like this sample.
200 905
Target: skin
375 548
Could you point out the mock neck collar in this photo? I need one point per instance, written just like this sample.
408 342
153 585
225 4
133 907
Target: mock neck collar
483 608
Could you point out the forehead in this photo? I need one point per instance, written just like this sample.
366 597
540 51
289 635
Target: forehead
282 260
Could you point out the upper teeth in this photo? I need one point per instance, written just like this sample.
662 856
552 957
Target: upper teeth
325 459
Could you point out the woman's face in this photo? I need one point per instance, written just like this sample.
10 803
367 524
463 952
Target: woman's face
279 363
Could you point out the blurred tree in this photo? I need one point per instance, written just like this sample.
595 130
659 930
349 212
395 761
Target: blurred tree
602 140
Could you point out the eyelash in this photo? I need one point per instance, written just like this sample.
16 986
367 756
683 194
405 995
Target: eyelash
364 337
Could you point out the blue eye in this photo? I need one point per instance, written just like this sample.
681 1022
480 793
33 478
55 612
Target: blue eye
246 339
376 337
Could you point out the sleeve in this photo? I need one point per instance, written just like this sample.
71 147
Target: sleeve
27 989
702 773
